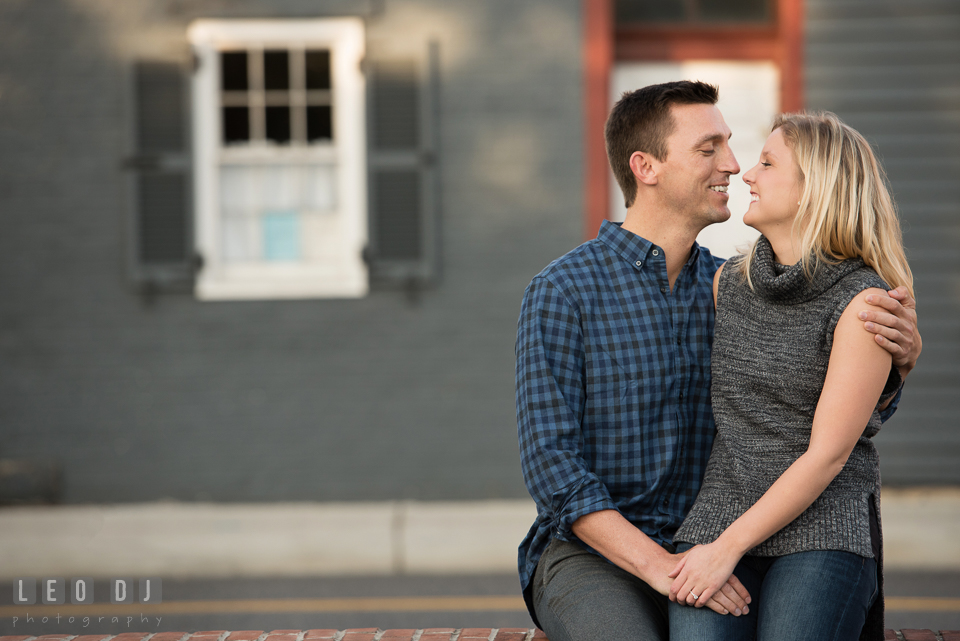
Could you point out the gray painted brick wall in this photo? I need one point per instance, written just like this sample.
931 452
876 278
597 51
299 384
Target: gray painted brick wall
377 398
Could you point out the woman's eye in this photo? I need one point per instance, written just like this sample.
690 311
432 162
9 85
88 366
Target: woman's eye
765 164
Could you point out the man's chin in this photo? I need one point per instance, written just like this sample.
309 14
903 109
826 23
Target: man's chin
720 216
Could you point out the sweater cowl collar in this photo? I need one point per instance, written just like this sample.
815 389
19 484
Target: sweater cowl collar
788 284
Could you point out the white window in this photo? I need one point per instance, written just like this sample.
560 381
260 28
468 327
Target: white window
279 158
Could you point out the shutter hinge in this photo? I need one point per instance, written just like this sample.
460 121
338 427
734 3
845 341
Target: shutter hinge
196 262
141 162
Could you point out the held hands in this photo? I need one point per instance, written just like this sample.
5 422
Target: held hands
732 598
896 331
704 577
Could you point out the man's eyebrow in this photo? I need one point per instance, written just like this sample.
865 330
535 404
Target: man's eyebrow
718 137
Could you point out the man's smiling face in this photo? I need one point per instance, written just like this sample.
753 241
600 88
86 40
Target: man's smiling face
693 179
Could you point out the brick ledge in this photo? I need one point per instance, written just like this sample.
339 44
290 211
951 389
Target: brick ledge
376 634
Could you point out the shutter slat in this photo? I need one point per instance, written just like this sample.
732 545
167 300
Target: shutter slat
163 219
398 210
396 110
160 108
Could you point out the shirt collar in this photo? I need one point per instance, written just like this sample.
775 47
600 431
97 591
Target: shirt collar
634 248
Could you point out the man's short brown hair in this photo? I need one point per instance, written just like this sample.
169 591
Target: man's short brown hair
641 121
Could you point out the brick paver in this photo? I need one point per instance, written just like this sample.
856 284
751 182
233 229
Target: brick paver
375 634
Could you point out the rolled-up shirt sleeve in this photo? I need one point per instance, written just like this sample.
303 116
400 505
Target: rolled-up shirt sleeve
892 389
550 400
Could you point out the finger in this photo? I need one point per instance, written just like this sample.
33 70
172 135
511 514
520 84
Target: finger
894 348
902 294
690 597
887 302
891 334
705 595
717 607
675 588
721 599
905 312
735 583
730 599
883 319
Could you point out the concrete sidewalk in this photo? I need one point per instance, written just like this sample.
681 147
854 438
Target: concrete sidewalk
182 540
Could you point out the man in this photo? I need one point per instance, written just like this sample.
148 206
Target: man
613 378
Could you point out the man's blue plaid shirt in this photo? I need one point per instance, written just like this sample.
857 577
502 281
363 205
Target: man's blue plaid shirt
613 388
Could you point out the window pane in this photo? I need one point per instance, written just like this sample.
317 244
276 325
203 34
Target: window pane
233 70
735 10
239 239
629 11
276 70
318 69
236 124
238 188
319 123
278 124
280 187
281 235
321 183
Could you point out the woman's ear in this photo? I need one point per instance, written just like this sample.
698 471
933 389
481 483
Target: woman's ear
644 167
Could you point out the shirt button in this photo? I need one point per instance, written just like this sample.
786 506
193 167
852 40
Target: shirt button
656 252
681 396
639 262
678 341
666 502
663 290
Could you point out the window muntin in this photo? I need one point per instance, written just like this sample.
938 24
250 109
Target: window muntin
276 96
280 148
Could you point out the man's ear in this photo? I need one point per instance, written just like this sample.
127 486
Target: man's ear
644 167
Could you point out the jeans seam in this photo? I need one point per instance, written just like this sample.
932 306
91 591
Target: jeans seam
553 613
846 606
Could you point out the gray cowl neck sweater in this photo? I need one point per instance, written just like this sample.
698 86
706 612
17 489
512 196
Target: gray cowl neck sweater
770 355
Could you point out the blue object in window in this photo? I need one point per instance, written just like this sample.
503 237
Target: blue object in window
281 235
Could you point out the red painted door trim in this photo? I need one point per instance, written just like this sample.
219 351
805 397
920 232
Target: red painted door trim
598 32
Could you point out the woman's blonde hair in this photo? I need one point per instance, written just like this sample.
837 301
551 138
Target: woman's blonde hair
845 208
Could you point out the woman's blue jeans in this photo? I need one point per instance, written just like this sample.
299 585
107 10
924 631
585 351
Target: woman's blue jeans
807 595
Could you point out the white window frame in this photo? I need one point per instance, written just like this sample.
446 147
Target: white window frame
345 277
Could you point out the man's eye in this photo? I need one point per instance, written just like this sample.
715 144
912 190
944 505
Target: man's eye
706 152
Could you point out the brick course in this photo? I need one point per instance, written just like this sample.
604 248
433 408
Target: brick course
375 634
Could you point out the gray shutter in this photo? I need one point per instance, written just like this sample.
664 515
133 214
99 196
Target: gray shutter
161 247
889 69
403 200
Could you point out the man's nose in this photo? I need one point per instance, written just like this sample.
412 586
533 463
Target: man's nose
730 164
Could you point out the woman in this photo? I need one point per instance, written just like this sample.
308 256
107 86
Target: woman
790 499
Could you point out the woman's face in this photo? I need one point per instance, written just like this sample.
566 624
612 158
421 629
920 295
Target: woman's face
774 188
